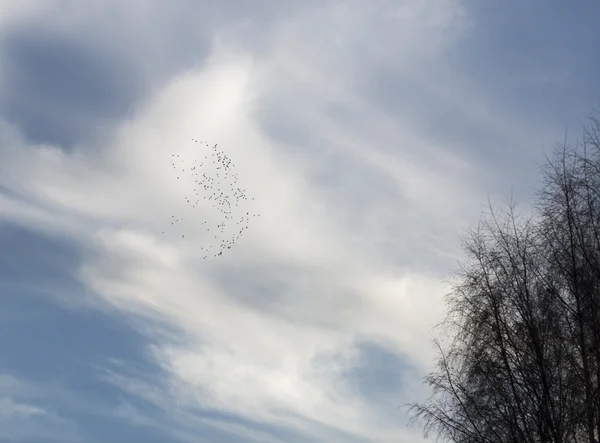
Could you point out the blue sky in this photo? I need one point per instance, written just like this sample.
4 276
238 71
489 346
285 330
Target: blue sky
370 134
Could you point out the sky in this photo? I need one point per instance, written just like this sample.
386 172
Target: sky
369 134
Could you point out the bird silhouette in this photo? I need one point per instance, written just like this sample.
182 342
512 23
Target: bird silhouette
221 189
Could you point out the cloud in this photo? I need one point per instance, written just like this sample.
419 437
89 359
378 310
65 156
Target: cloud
79 89
271 329
21 419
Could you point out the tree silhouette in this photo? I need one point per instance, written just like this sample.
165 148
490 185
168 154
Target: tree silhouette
524 317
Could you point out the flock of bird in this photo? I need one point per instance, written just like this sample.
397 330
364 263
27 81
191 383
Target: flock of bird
213 188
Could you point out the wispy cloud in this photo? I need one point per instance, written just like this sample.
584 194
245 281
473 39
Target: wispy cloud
22 418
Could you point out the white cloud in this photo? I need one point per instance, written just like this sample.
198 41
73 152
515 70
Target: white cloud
270 327
22 418
10 409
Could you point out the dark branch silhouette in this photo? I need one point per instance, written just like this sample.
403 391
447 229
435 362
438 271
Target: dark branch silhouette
524 314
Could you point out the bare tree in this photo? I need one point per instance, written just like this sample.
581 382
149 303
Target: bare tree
569 206
524 314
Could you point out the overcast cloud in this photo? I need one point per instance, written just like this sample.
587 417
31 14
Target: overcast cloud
370 134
